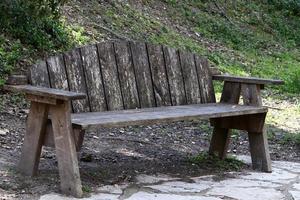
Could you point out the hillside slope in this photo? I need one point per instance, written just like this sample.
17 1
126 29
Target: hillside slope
258 39
248 38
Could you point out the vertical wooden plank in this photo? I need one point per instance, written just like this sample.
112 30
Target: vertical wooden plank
110 76
231 93
126 75
174 76
76 79
39 74
57 72
190 77
251 94
143 74
205 80
95 88
34 137
66 149
159 75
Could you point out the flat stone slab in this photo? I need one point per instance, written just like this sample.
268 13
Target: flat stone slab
282 184
150 196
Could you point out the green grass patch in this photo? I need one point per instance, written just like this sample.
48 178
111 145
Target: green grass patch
213 162
290 138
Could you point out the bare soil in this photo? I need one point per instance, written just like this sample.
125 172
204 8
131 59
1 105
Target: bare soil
111 156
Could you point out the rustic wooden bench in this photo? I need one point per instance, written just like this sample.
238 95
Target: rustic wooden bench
116 84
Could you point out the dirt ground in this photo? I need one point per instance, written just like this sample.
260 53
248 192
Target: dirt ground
110 156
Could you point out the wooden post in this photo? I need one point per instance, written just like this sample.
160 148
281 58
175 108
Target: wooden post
34 137
221 136
258 140
66 149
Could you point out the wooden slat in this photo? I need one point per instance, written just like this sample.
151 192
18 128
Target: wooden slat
159 75
190 77
161 115
45 92
110 76
76 79
174 76
39 74
126 75
143 74
247 80
57 72
95 88
205 80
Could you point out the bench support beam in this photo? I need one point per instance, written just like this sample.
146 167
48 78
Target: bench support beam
221 136
64 140
253 124
65 149
258 140
34 137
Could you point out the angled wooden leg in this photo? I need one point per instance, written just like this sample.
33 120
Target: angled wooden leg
258 140
259 149
33 141
66 149
219 142
221 136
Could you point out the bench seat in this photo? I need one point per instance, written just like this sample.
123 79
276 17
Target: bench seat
165 114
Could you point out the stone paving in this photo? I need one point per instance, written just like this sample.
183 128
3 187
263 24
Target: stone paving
282 184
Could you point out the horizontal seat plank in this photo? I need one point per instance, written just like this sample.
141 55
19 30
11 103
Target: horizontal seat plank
45 92
156 115
239 79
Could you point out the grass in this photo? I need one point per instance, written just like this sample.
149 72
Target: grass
213 162
255 38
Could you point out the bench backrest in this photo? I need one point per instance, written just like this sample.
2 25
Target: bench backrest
127 75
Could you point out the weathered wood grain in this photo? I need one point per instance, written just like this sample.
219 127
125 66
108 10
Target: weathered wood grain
231 93
45 92
76 79
174 76
160 115
65 149
57 72
251 94
205 80
159 75
221 136
95 88
143 74
190 77
38 74
249 80
258 141
110 76
126 75
33 141
17 80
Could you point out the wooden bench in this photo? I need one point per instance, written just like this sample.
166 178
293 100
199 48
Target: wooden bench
116 84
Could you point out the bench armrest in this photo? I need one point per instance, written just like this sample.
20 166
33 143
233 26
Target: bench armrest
249 80
45 92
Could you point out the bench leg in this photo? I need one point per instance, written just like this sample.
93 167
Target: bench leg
65 149
260 151
219 142
33 141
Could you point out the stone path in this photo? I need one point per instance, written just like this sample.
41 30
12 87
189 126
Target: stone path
282 184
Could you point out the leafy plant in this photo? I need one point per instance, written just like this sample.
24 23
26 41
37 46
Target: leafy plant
213 161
